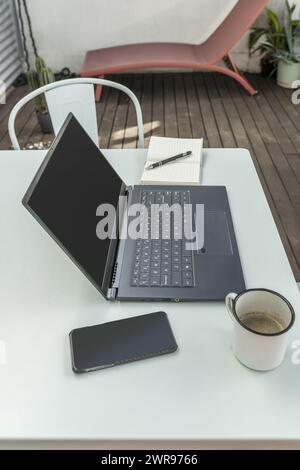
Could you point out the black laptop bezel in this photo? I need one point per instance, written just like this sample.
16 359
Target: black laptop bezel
113 247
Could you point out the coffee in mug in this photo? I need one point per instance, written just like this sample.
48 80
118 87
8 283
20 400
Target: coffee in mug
262 320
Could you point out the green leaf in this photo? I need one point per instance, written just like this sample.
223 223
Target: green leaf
288 11
278 42
273 21
296 43
255 35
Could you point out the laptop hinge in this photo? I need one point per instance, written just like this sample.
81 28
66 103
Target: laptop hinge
112 291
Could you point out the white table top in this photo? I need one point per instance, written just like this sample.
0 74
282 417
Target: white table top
200 394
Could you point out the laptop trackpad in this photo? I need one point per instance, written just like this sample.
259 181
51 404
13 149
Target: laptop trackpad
217 239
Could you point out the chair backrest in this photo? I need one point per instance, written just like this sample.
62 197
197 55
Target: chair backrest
78 99
74 95
231 30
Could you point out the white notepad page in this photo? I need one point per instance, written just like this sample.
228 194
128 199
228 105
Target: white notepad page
185 171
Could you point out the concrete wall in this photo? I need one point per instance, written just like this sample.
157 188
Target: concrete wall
65 29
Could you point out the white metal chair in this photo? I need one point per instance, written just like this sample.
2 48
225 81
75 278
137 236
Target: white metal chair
75 95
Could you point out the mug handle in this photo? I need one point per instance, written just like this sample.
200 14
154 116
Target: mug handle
229 304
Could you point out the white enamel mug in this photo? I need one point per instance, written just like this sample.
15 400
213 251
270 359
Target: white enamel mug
256 350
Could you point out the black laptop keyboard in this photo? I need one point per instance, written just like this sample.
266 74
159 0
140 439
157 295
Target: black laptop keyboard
162 260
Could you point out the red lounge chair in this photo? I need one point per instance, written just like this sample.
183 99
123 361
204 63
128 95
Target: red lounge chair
203 57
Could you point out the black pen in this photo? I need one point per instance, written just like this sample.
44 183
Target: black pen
168 160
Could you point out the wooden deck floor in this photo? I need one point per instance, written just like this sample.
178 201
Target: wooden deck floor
208 105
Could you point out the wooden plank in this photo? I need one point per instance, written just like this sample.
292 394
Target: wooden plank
107 122
294 161
182 111
271 131
15 95
118 130
146 104
281 136
210 124
101 105
290 145
25 134
130 135
209 106
6 108
236 124
262 124
244 142
287 175
267 88
196 118
284 96
158 113
287 92
282 203
20 122
224 127
171 126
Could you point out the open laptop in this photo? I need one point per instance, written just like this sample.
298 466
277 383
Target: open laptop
74 196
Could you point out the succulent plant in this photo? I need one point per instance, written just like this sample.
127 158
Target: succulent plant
42 75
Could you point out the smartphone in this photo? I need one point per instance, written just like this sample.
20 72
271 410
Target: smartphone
119 342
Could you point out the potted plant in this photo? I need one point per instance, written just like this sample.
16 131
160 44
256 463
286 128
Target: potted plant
280 45
269 33
42 75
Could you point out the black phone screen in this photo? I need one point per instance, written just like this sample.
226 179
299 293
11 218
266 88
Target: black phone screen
122 341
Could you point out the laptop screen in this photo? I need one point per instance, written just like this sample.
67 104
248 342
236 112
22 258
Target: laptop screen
73 180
